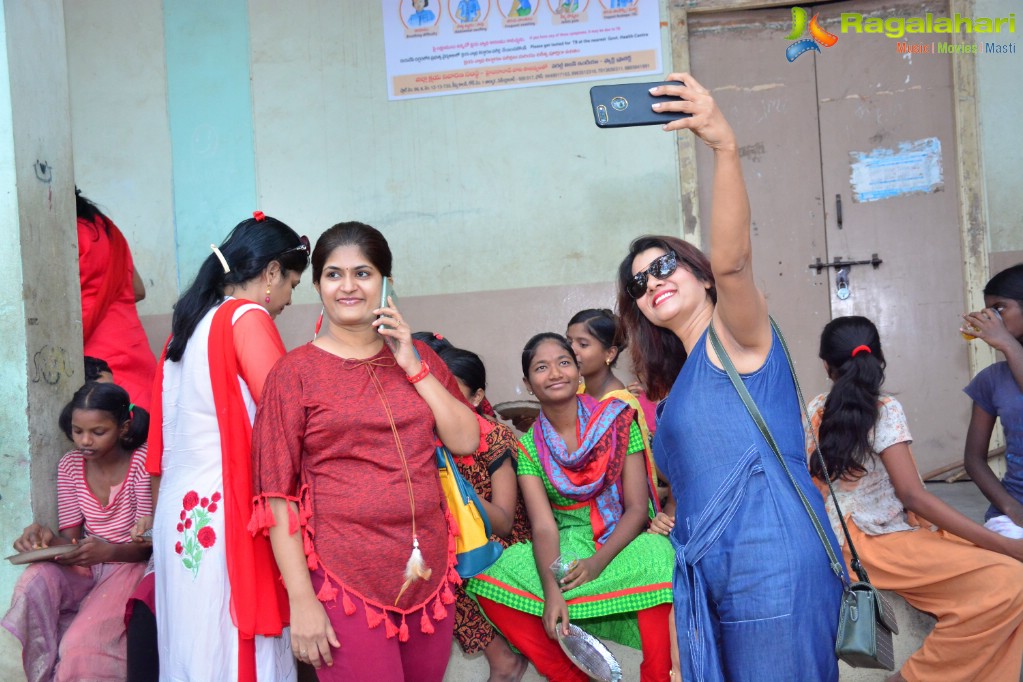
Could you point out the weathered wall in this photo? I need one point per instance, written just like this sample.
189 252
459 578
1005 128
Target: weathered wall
501 207
283 107
1000 100
476 192
40 333
15 481
119 127
210 114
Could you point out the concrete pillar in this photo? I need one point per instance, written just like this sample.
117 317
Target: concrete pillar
40 310
209 108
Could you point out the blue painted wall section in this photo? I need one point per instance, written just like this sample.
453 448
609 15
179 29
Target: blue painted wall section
209 103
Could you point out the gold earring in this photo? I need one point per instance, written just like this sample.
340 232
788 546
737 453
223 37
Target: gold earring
607 361
267 299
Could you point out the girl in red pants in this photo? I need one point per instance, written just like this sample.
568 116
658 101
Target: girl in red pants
588 490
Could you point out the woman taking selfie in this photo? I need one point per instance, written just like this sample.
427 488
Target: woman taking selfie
755 598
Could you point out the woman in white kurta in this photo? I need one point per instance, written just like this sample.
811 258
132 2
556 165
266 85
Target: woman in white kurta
220 608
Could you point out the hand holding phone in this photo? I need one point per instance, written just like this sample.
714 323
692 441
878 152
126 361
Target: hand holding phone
629 104
396 334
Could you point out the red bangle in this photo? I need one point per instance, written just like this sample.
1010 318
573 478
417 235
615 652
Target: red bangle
415 379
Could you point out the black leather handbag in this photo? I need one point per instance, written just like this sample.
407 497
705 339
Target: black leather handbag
866 621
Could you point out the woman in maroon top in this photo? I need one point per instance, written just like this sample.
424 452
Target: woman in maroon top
346 477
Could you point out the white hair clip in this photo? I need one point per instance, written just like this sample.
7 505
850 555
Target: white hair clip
223 261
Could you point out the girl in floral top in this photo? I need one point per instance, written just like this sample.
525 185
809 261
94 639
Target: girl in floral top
968 577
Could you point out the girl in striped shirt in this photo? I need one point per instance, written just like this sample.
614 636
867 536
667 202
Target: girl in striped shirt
69 613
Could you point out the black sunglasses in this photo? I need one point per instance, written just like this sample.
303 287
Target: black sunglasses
661 268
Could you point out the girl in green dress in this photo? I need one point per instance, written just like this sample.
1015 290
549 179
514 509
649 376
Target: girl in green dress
587 488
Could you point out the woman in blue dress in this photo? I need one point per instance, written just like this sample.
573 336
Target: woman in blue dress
755 595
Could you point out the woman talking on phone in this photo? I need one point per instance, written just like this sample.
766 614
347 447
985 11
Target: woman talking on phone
755 598
346 477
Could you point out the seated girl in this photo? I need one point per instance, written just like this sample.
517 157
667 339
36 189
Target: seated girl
997 393
589 495
968 577
598 339
491 472
68 614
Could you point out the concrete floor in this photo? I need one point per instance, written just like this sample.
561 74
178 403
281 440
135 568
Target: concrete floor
964 496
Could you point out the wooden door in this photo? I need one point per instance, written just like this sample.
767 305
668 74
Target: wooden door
772 105
867 128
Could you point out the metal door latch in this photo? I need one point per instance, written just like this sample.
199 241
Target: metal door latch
837 262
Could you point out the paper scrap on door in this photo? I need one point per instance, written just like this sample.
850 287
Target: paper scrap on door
913 168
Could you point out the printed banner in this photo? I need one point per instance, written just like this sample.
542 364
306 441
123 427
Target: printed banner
444 47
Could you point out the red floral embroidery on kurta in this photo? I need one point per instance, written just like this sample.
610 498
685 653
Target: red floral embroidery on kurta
198 535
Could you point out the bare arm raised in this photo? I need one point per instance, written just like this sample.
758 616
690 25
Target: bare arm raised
741 311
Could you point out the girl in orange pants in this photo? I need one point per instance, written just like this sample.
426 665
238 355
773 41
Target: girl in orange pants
967 576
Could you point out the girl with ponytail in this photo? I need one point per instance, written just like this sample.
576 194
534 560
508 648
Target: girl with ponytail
967 576
260 251
209 568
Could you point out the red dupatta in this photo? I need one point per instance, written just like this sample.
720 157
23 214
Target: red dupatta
259 601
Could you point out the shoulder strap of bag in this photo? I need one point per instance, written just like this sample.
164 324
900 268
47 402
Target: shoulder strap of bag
754 412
